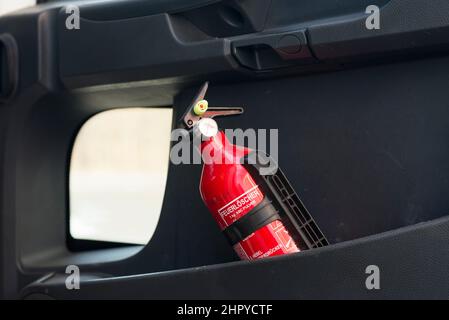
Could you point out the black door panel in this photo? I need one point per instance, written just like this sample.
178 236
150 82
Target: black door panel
363 126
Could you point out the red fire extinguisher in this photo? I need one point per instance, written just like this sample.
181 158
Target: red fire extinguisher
231 194
243 211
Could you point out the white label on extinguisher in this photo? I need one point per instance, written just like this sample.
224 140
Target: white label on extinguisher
240 205
284 238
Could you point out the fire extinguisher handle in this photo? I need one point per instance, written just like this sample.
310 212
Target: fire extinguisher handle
190 117
213 112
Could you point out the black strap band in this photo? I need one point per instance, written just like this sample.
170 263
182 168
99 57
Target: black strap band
263 214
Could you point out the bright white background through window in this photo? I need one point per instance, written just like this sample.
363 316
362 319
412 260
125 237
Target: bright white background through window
118 173
12 5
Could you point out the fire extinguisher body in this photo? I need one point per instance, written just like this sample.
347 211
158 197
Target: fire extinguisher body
230 193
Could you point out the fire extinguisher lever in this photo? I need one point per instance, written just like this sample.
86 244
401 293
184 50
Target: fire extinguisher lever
199 109
222 111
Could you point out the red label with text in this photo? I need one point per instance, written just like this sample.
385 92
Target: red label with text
270 240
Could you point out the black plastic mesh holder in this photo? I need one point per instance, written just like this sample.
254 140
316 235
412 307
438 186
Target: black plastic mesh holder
294 215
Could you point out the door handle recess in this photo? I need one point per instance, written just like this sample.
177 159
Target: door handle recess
272 51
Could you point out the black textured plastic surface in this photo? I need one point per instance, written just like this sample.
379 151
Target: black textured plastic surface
410 25
412 263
